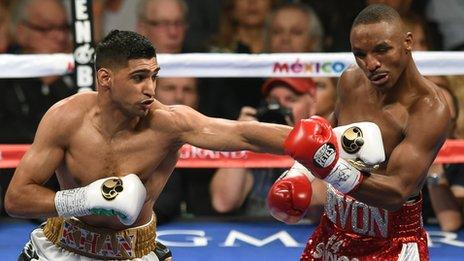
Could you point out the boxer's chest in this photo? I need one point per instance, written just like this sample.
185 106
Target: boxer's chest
92 156
392 120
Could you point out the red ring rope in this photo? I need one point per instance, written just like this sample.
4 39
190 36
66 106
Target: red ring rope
193 157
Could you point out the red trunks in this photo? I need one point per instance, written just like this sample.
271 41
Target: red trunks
351 230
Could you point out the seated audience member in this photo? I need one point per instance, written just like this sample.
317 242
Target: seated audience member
449 17
164 23
242 29
326 95
186 192
40 27
246 189
336 18
445 182
457 85
109 15
4 23
295 28
426 34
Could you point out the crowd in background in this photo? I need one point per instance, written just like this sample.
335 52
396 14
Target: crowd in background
232 26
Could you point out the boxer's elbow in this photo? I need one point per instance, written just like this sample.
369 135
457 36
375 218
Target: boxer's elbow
396 198
12 203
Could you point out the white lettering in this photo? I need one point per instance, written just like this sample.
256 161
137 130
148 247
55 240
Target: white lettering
81 10
83 32
380 220
84 76
283 236
364 220
445 238
198 238
344 212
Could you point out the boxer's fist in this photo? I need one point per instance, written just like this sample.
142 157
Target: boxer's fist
313 143
290 196
123 197
361 143
115 196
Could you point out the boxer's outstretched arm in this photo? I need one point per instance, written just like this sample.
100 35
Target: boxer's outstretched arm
410 160
26 197
221 134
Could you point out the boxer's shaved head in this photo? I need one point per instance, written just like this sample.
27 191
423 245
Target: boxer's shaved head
376 13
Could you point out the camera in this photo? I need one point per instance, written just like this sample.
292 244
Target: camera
273 112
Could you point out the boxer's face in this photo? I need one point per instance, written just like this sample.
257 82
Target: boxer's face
382 50
133 86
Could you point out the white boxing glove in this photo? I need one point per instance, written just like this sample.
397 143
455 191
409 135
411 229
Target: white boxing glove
115 196
361 143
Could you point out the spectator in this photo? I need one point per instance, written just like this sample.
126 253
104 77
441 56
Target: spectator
242 30
164 23
234 188
4 24
445 182
40 27
449 15
295 28
113 14
336 17
416 25
457 84
401 6
177 91
242 26
185 187
326 96
203 23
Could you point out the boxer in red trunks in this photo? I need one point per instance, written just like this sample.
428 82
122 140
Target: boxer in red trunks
370 213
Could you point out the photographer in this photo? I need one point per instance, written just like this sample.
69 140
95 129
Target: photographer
242 190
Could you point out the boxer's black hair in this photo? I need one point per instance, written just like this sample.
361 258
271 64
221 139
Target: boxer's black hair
376 13
118 47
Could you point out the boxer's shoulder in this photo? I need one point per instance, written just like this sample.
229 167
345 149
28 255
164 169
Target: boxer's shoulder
352 77
171 117
69 113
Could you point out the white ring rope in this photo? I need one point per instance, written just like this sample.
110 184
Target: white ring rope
232 65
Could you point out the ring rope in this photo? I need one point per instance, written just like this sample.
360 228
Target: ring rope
232 65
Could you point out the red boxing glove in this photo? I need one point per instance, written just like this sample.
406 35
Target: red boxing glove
313 143
290 196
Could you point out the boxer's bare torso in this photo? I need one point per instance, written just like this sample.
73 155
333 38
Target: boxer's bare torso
362 103
407 109
386 88
149 150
